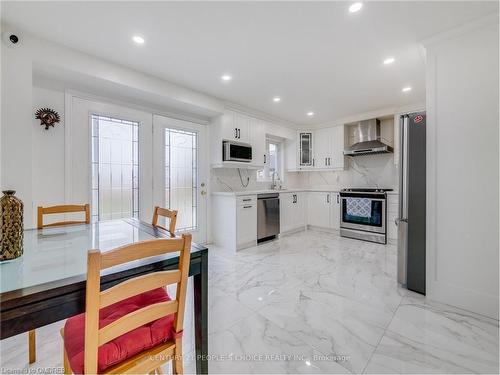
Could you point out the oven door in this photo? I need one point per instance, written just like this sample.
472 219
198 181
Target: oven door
363 213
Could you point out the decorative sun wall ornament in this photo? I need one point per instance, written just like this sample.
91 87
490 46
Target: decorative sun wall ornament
48 117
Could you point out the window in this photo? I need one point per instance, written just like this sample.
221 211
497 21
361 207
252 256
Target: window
181 174
273 163
115 168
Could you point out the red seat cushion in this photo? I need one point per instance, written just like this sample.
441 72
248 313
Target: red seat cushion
125 346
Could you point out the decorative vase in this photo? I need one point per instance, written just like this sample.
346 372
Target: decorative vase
11 223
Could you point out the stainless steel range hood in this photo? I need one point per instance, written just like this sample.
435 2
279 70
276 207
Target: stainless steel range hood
367 139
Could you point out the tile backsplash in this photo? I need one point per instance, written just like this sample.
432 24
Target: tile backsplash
361 171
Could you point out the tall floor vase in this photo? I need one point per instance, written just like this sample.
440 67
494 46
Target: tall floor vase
11 225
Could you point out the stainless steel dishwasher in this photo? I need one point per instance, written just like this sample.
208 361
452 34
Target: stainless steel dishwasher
268 216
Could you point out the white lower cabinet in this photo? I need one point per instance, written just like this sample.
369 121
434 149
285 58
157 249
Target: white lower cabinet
335 218
246 224
318 209
392 214
234 221
292 212
323 210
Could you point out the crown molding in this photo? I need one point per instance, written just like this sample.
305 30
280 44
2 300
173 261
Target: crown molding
434 40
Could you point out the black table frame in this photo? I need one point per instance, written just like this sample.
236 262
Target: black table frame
29 308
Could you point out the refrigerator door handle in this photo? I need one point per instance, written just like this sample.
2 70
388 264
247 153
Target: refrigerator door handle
401 221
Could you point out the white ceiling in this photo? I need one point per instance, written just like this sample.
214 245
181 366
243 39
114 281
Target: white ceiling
315 55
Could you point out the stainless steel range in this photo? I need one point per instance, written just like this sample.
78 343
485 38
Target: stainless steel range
363 214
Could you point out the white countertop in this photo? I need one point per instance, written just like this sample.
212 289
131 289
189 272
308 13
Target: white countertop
288 190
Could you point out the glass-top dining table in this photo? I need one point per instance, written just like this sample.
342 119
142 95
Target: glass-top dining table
47 283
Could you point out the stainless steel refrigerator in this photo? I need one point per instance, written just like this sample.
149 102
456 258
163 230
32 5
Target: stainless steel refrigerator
411 220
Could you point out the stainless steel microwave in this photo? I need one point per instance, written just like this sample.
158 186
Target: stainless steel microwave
236 151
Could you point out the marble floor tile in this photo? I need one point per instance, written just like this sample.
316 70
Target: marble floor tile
337 327
360 276
313 302
256 345
224 311
428 337
252 284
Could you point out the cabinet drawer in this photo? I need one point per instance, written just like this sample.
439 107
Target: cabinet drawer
246 200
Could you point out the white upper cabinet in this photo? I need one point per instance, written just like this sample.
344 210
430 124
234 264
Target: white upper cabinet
234 126
238 127
329 148
258 141
322 147
337 157
305 149
242 126
226 127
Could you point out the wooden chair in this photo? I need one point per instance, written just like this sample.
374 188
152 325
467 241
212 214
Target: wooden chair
62 209
96 334
172 215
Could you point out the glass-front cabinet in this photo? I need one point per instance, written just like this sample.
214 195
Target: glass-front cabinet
305 149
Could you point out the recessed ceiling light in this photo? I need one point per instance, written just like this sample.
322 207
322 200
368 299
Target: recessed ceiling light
356 7
138 39
226 77
276 99
406 89
310 114
389 60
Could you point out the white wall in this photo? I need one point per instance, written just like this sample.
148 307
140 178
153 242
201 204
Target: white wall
463 168
17 126
48 146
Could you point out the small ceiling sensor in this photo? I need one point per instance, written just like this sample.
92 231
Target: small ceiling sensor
389 60
138 39
226 77
276 99
356 7
406 89
310 114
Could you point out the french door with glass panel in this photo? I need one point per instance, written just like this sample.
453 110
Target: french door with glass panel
180 163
